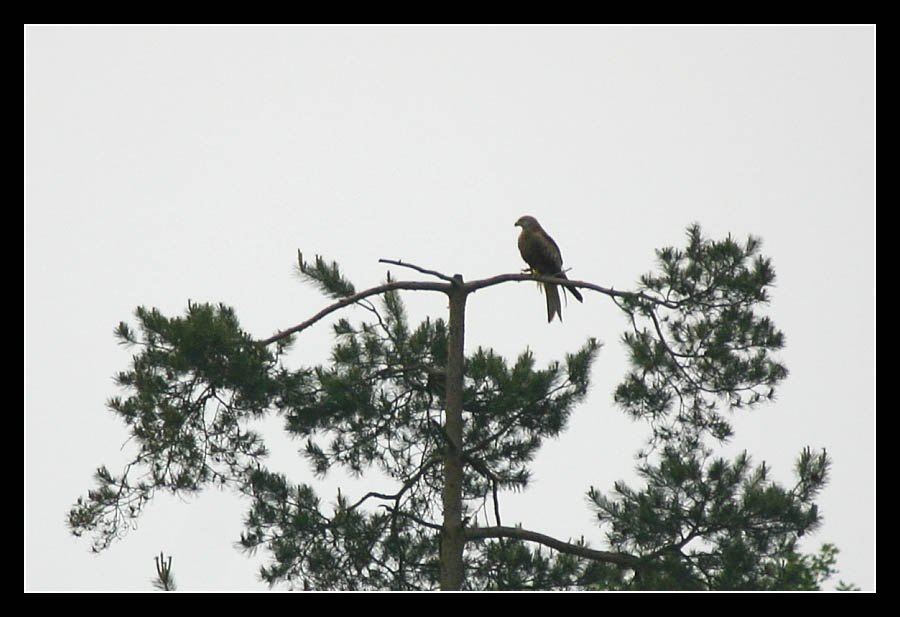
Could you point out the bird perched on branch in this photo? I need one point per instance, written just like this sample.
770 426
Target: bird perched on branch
542 254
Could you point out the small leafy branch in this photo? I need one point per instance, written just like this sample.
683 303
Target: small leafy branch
164 580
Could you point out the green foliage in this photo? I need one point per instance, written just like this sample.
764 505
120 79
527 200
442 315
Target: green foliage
198 381
326 276
697 340
346 548
707 523
194 384
697 343
379 404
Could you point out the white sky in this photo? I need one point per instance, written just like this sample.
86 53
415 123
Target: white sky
171 163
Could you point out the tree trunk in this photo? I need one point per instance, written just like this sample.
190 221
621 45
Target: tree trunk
452 537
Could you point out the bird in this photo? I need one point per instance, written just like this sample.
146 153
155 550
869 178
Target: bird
542 255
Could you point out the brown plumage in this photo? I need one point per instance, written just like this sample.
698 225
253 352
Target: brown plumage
541 253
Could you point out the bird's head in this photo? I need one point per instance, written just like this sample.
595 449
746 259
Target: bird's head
527 223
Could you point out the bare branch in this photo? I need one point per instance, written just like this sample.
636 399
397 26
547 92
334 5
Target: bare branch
502 278
410 285
406 485
517 533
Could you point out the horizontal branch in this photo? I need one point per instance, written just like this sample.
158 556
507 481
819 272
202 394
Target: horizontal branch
502 278
517 533
469 287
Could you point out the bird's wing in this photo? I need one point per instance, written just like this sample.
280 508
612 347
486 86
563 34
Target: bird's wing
540 252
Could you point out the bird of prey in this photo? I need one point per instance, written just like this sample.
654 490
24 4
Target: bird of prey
541 253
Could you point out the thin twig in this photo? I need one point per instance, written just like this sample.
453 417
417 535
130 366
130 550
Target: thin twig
412 517
403 264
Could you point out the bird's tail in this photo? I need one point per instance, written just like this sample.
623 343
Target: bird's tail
553 305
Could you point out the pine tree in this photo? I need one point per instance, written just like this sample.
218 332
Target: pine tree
455 432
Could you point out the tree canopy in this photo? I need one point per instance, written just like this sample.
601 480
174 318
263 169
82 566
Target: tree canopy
453 432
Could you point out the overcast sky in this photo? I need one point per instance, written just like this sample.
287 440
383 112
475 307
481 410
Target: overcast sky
171 163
